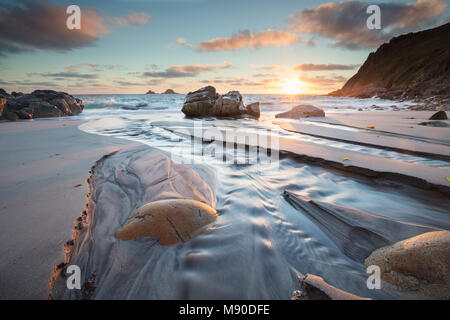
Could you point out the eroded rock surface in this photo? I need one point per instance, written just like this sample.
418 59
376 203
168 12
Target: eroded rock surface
356 233
206 102
419 264
170 221
38 104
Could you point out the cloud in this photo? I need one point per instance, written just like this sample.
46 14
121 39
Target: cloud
323 67
186 71
263 75
71 75
271 67
91 66
183 42
29 25
233 82
29 83
244 39
129 83
345 21
323 81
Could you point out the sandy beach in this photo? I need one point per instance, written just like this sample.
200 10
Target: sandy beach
43 188
46 162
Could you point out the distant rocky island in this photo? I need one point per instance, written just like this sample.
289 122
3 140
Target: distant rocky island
414 66
168 91
38 104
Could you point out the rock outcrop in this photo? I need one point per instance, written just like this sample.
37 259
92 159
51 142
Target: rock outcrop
150 92
206 102
440 115
302 111
420 264
410 66
170 221
38 104
169 91
356 233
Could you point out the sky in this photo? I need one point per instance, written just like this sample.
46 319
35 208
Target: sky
254 46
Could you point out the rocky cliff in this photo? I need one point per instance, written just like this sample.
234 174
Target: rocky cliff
410 66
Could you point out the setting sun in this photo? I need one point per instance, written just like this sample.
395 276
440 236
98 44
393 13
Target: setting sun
292 86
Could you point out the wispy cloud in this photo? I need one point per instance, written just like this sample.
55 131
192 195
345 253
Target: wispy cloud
245 39
270 67
323 67
70 75
323 81
91 66
184 71
236 82
184 42
345 21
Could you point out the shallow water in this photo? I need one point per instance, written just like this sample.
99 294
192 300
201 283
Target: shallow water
260 243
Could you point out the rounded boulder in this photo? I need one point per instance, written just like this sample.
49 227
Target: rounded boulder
170 221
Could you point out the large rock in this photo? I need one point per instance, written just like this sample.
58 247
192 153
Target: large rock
440 115
150 92
420 264
39 104
302 111
206 102
171 221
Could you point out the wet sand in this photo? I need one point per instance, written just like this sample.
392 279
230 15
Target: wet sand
43 169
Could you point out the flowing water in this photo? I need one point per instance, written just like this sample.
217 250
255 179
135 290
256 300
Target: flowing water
260 243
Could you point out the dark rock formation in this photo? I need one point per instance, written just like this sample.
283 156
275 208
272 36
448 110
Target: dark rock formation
435 124
410 66
169 91
440 115
39 104
150 92
356 233
302 111
206 102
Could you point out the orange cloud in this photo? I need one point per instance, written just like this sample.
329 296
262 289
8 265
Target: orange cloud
244 39
184 71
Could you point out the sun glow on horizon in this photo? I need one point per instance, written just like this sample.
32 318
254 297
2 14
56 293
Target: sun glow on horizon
292 86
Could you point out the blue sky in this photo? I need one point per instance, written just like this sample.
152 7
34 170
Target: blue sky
263 46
